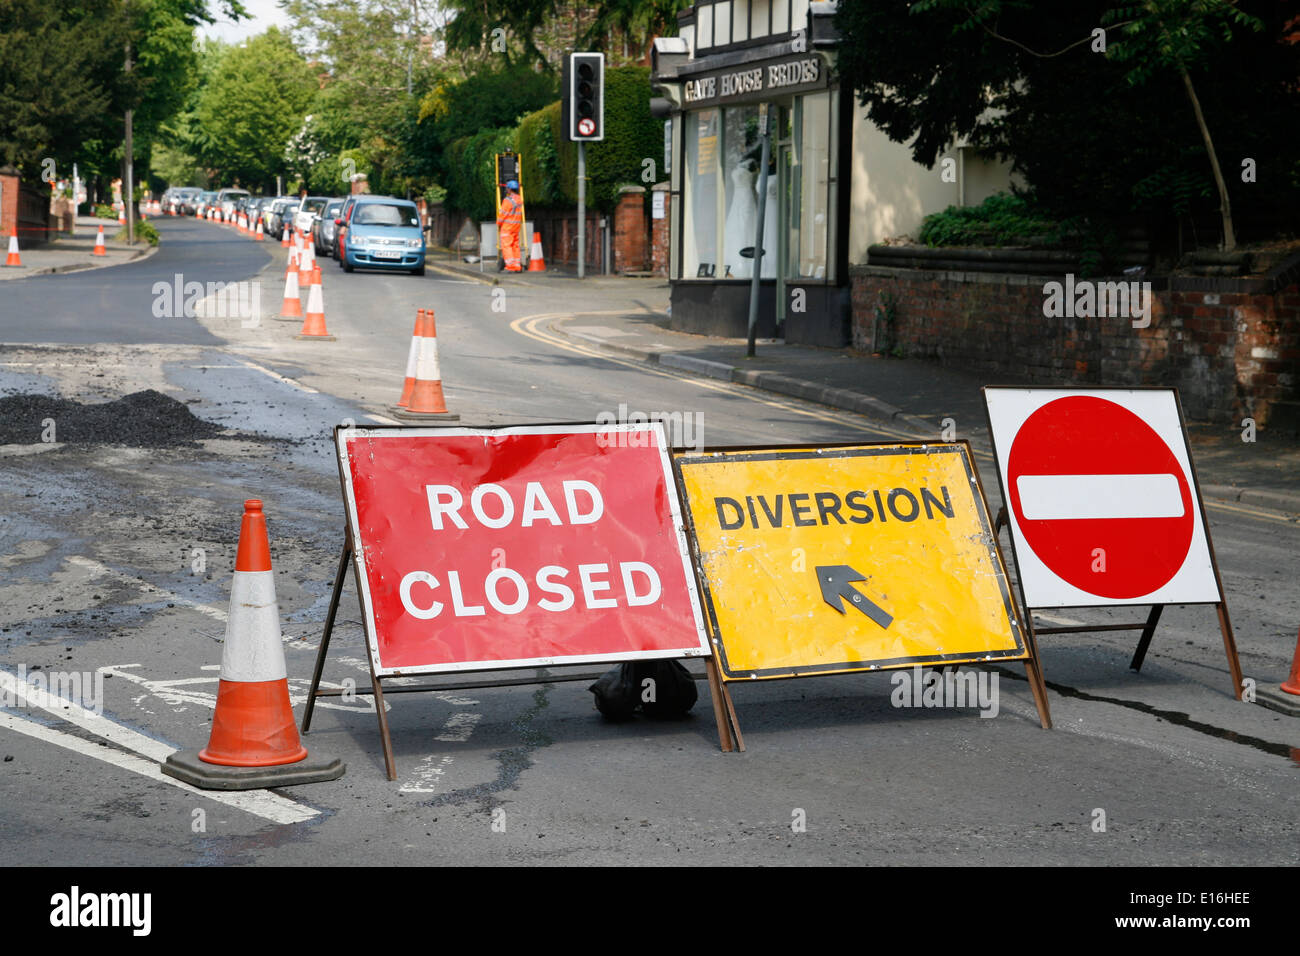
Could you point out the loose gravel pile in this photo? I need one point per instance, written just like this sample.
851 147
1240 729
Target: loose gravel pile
147 419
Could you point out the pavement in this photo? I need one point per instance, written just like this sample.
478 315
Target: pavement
75 253
914 395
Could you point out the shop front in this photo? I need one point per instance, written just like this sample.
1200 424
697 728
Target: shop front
715 90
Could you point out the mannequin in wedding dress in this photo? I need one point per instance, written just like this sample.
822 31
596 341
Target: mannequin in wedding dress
769 228
742 215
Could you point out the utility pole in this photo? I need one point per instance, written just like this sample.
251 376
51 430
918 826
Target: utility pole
582 209
763 127
128 197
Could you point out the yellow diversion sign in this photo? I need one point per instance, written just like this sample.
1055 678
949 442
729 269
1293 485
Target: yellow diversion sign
847 558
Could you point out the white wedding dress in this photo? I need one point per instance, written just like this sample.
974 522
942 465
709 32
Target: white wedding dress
742 215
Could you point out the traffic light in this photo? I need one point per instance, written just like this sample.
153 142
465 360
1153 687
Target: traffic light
584 97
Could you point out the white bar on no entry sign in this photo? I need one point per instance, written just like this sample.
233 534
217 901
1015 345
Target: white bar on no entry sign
1062 497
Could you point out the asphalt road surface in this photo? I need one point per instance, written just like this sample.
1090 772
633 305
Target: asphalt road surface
117 558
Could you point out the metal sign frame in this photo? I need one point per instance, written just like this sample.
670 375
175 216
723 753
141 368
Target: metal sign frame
1148 626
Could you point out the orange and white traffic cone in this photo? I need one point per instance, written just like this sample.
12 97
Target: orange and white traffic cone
121 215
306 262
284 238
535 261
292 264
412 360
427 402
99 249
13 259
254 741
259 236
292 308
313 324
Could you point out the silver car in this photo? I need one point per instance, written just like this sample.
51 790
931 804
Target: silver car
326 230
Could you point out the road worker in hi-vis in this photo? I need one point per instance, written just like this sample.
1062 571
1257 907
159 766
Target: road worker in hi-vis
510 220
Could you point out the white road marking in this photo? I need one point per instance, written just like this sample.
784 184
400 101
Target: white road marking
1057 619
427 775
146 757
280 378
1066 497
382 420
458 727
102 570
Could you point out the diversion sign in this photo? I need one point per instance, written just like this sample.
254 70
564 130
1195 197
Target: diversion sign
847 558
528 546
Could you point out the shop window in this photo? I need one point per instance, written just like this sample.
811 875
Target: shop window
701 240
741 154
808 194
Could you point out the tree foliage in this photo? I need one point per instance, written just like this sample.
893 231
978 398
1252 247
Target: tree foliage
252 104
1099 127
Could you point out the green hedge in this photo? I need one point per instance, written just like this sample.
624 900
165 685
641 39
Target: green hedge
550 162
471 177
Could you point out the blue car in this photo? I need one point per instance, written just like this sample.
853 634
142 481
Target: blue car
383 233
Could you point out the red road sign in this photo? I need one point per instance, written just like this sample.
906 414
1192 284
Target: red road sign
586 126
1100 497
530 546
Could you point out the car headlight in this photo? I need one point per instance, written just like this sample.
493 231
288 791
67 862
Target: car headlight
415 243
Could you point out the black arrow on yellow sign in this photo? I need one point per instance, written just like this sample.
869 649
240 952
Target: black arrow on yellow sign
834 580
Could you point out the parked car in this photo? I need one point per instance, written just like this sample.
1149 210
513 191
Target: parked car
186 199
324 229
227 199
308 211
273 214
282 212
206 200
383 232
341 226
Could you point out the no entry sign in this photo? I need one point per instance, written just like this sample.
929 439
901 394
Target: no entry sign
847 558
1101 497
518 547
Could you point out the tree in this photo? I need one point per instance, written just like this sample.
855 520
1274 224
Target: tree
253 102
59 62
1043 85
1176 35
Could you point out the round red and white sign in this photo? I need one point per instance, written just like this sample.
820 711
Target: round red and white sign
1099 489
1099 497
586 126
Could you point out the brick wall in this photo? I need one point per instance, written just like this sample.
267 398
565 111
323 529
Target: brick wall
631 235
1231 346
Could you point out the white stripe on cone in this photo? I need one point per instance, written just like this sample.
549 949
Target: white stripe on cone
315 300
253 650
426 367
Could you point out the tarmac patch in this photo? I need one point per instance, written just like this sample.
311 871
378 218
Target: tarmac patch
145 419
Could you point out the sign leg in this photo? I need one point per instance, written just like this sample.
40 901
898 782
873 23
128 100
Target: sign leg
1139 655
325 636
1230 646
389 763
719 709
1034 673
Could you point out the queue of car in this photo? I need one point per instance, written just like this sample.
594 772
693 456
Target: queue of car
359 232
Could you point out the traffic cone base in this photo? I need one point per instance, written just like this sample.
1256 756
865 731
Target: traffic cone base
188 768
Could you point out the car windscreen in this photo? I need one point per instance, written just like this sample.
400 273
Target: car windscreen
332 210
312 205
384 214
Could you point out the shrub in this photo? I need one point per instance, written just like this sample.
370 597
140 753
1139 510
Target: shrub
1000 220
143 230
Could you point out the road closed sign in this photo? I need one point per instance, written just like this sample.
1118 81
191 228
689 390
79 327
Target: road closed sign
847 558
1101 497
528 546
